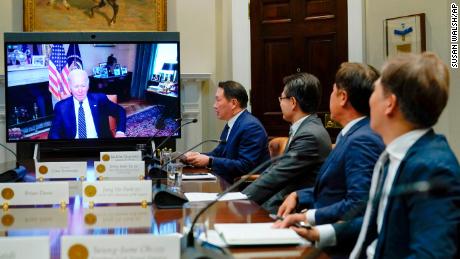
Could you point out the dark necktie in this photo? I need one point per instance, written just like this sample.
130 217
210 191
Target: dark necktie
339 138
81 122
224 134
372 230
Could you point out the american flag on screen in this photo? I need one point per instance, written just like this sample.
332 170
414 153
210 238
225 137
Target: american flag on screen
59 67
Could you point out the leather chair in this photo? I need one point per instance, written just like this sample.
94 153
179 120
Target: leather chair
276 147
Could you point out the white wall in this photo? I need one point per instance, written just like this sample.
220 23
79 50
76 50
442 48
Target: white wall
437 40
11 21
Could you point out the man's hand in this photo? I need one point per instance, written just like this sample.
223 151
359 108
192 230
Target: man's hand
288 205
197 159
120 134
309 234
290 220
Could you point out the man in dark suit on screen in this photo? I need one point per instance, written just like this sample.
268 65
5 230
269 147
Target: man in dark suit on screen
308 137
85 115
343 183
413 208
246 140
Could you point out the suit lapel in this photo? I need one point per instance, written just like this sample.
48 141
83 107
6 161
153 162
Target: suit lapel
94 112
233 131
309 119
337 152
72 119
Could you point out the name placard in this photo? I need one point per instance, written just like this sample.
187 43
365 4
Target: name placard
45 193
120 169
139 246
121 156
60 170
33 218
129 191
25 247
120 216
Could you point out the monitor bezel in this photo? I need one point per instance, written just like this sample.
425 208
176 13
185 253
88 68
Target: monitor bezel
89 38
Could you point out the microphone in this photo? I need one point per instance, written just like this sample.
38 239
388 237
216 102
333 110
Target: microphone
189 249
176 155
166 199
156 172
175 131
14 174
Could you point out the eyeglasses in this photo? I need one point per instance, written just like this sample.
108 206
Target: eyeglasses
280 98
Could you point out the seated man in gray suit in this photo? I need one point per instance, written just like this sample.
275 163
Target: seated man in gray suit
308 137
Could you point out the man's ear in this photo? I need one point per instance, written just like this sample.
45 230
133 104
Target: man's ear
343 97
391 104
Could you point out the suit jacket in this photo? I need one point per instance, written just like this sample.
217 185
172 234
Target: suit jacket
419 224
246 147
312 141
64 123
343 182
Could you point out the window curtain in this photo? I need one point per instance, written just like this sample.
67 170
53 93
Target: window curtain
143 69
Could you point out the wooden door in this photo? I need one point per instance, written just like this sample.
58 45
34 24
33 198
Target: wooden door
289 36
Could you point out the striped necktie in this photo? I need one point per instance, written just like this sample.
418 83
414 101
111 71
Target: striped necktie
81 122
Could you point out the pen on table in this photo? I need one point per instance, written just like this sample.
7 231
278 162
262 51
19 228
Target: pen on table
300 224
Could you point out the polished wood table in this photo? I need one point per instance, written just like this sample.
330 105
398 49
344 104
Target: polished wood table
122 219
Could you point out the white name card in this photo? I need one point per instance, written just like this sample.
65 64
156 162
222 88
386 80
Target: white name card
129 191
138 246
60 170
121 156
33 218
120 169
116 217
37 193
24 247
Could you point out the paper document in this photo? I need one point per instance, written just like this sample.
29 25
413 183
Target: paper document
257 234
210 196
198 176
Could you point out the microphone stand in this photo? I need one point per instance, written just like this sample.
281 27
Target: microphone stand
156 170
189 250
14 174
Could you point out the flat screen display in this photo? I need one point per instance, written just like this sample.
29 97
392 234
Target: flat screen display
132 86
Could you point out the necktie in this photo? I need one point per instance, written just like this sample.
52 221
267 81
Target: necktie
224 134
81 122
369 228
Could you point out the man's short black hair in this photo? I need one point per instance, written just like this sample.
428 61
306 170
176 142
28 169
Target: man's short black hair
358 81
235 90
305 88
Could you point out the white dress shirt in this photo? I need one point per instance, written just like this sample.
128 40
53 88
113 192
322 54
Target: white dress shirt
294 127
90 127
232 121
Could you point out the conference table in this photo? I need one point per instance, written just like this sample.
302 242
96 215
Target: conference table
124 219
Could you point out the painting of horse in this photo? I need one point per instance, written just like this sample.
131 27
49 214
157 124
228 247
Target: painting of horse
94 15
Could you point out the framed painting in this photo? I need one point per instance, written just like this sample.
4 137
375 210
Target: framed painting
405 34
94 15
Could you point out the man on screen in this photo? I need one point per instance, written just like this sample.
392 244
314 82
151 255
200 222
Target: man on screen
85 115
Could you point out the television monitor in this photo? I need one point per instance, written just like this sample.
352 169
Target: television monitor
137 71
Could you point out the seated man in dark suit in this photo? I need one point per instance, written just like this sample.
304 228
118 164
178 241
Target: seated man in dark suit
246 140
308 137
413 208
343 182
85 115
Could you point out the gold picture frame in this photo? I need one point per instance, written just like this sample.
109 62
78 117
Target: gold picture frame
405 34
75 15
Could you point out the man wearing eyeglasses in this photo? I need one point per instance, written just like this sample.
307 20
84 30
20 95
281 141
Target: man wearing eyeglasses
299 102
85 115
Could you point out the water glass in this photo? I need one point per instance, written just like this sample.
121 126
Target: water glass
174 175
